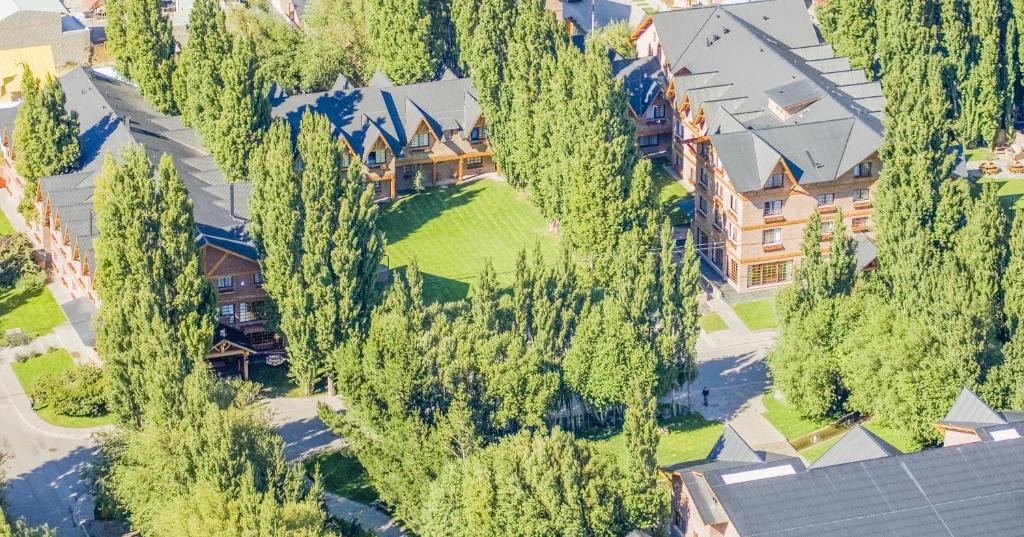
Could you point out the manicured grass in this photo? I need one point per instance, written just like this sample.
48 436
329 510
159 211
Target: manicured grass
274 380
757 314
712 322
343 475
1011 191
787 420
979 153
690 437
813 453
54 361
450 231
899 439
670 193
5 225
34 311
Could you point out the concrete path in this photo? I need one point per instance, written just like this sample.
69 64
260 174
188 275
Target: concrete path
751 424
46 482
296 420
733 321
367 517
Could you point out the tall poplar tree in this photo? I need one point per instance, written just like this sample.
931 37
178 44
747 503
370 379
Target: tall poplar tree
400 31
139 38
981 95
45 135
243 112
197 76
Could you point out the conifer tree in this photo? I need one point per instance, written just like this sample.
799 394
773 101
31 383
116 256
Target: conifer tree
850 26
197 76
980 98
399 32
335 41
464 16
139 38
486 52
1013 291
244 112
645 499
45 135
841 266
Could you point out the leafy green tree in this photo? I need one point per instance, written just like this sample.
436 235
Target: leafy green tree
139 38
645 497
45 135
243 112
980 95
197 77
399 32
279 46
1013 292
614 36
336 40
464 15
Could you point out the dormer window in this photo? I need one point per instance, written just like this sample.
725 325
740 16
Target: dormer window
346 159
657 112
775 181
420 139
377 156
862 170
478 133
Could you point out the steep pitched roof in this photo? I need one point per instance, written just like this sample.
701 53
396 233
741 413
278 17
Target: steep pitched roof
642 79
10 7
732 447
380 80
970 410
858 444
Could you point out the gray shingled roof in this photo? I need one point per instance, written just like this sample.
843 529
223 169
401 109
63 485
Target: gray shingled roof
112 116
643 80
731 59
390 112
732 447
858 444
969 410
7 115
867 251
968 490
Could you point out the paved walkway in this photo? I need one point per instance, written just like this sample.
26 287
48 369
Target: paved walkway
751 424
367 517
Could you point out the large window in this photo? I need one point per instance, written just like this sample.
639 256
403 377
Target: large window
257 279
648 141
863 169
420 139
775 181
771 236
772 208
377 156
734 204
827 226
475 162
860 223
225 283
861 194
657 111
227 310
719 219
246 312
768 273
478 133
702 205
702 176
826 199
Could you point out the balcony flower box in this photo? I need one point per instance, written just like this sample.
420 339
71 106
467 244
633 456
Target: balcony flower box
826 209
774 219
826 237
773 247
862 204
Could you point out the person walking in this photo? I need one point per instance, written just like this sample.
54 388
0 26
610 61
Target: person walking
705 393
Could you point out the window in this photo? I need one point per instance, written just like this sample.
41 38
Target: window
860 223
475 162
377 187
863 170
346 159
826 227
775 181
657 111
702 205
732 232
409 171
420 139
702 176
478 133
227 310
703 149
771 236
225 282
246 312
861 194
826 199
719 219
648 141
448 136
734 204
768 273
377 156
772 208
257 279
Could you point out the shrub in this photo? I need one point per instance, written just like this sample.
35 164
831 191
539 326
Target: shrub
78 391
15 260
30 281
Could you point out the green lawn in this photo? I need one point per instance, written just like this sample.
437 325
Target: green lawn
54 361
670 193
899 439
690 437
712 322
34 311
450 231
979 153
343 475
274 380
758 314
812 453
5 225
787 420
1011 191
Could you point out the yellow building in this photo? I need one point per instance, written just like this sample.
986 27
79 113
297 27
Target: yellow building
42 35
39 58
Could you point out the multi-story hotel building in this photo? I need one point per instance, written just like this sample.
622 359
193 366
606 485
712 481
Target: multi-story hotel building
392 132
767 126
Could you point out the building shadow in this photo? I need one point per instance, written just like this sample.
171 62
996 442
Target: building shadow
404 217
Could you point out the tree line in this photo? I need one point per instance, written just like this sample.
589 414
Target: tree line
942 310
977 43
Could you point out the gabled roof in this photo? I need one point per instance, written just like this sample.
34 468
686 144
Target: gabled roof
858 444
970 411
643 80
10 7
732 447
380 80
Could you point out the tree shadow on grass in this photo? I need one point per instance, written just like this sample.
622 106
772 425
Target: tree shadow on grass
403 217
55 492
438 288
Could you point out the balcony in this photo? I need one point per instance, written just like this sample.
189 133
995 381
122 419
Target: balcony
774 219
776 247
826 209
862 204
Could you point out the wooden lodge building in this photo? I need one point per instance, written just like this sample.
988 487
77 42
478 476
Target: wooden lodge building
440 132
